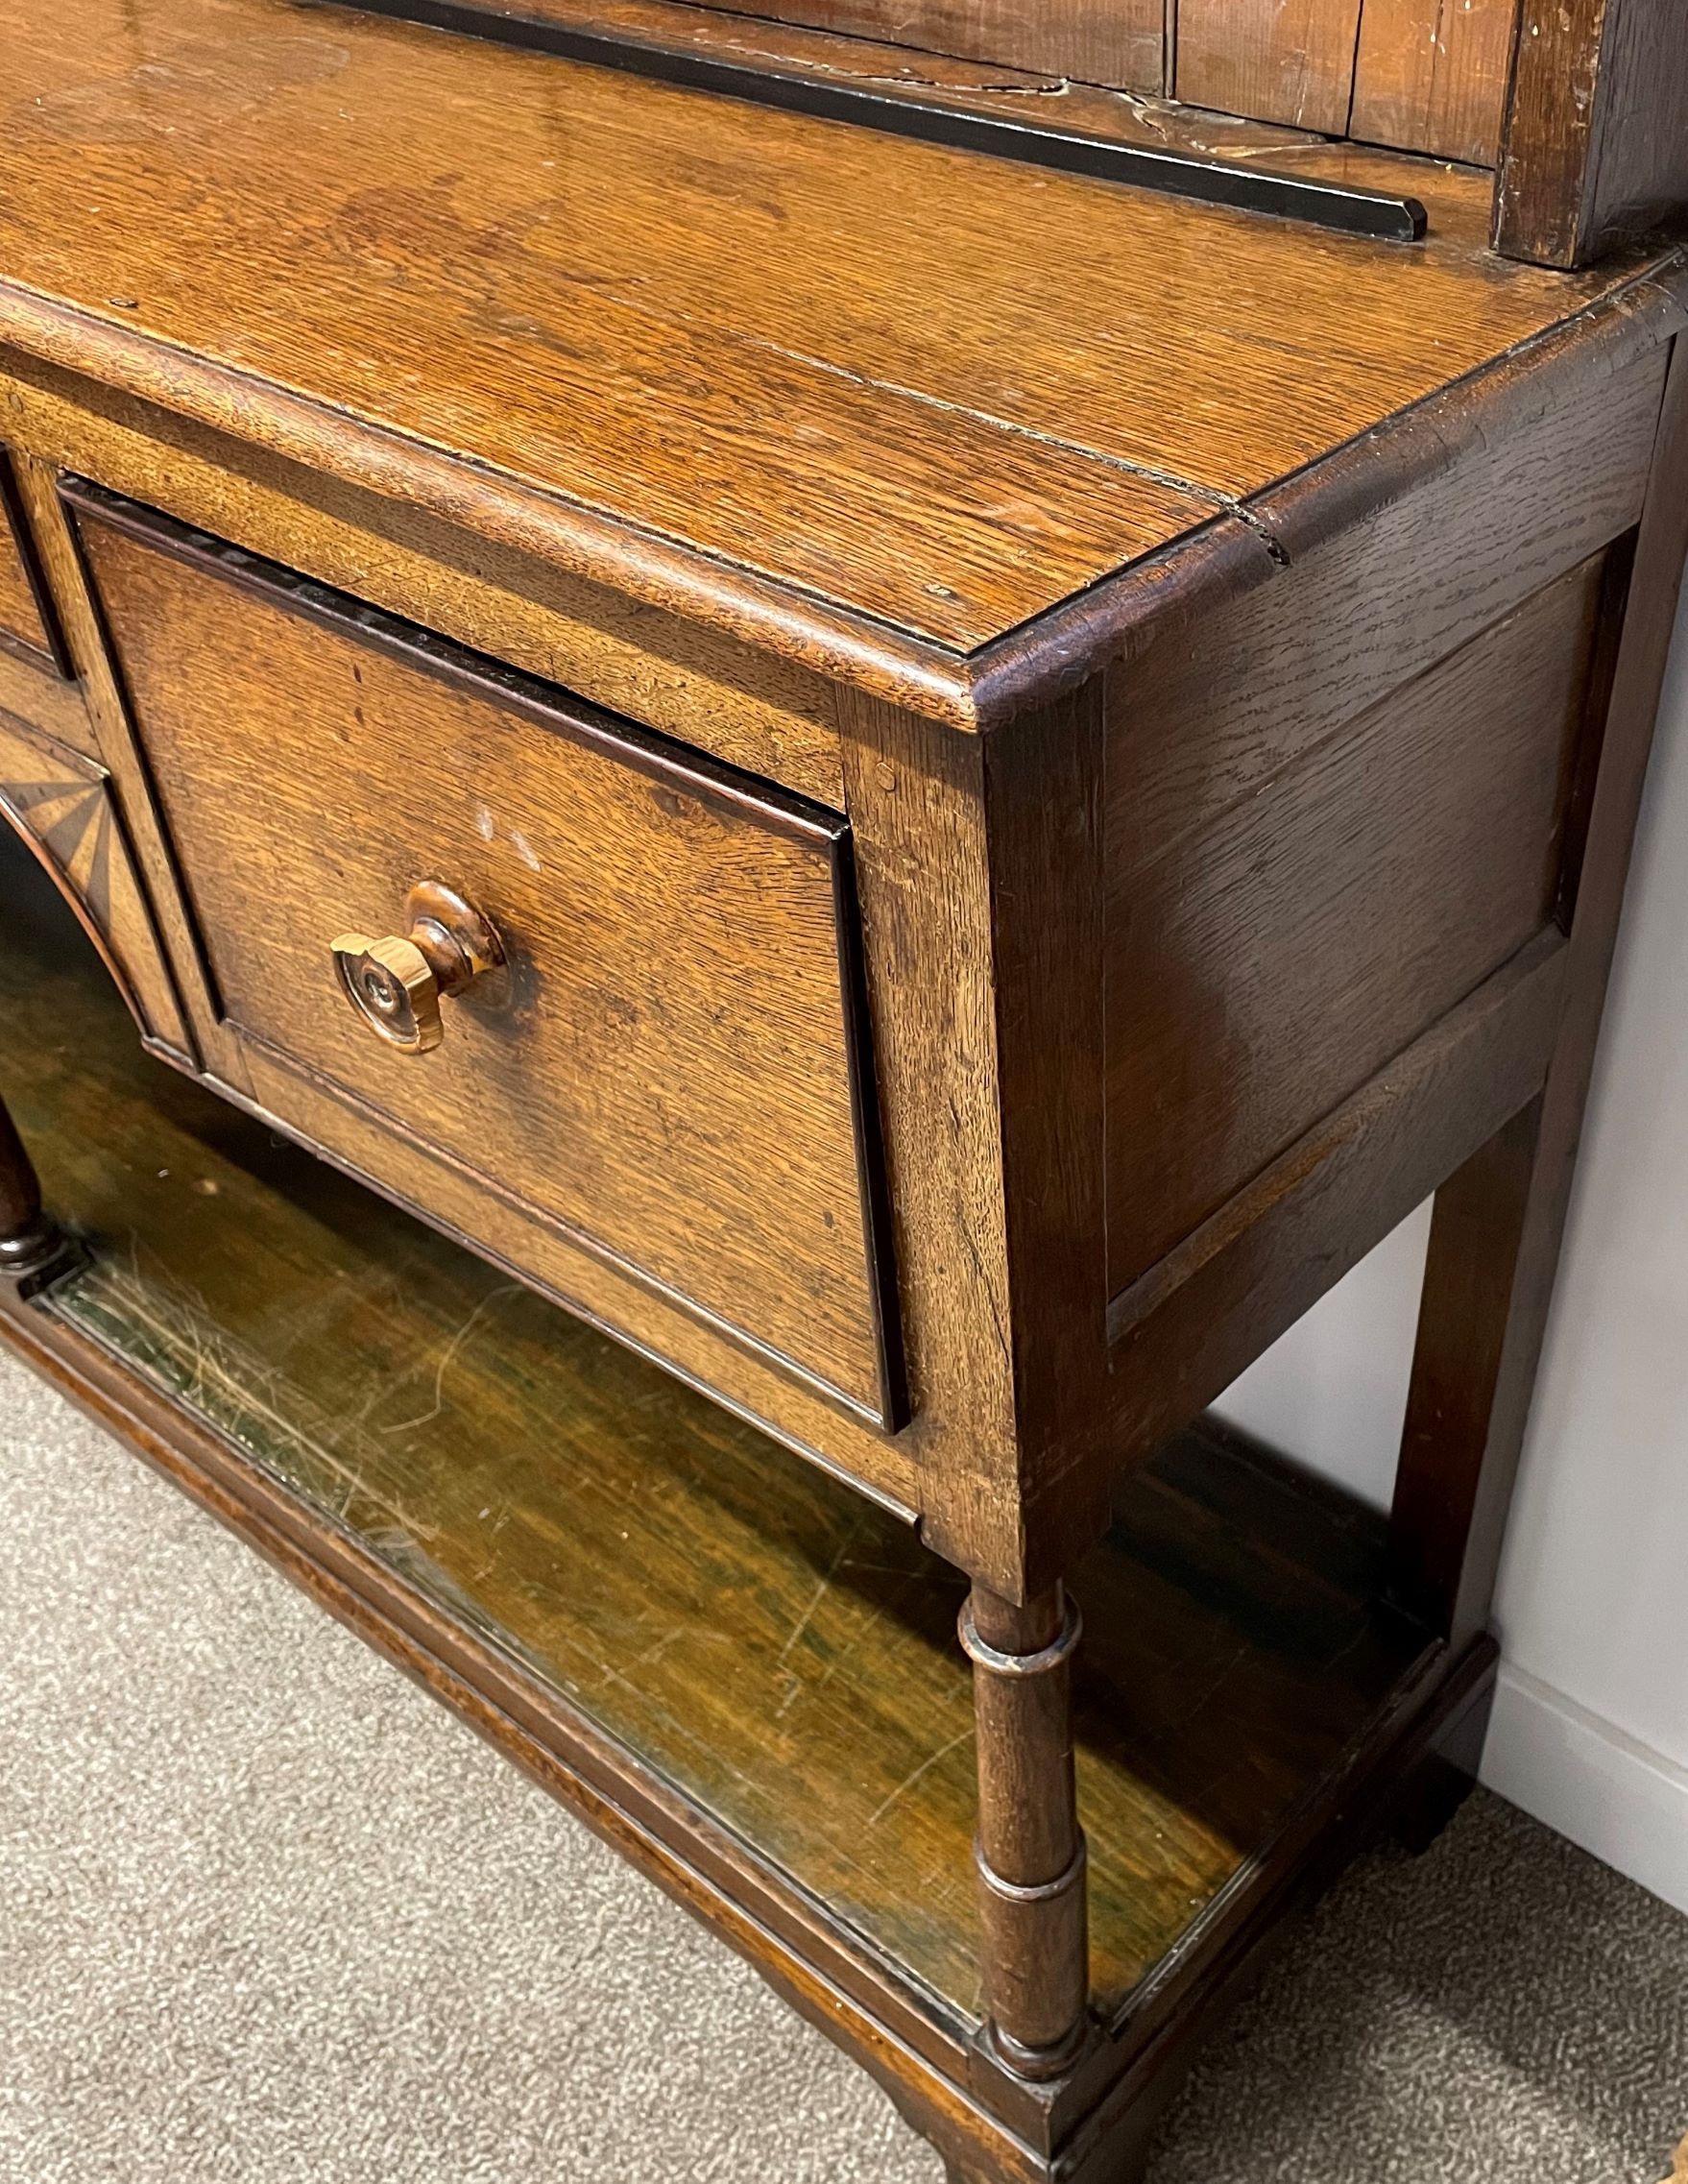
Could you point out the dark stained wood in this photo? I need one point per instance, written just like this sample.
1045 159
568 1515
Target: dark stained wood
1030 1850
1459 199
1280 954
668 1069
1100 42
1477 1232
1577 365
1191 635
30 1242
1427 76
915 795
1222 700
1431 75
982 874
1495 1236
1597 133
1187 1329
1044 809
731 1616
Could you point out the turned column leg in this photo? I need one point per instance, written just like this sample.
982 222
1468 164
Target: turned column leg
1030 1849
33 1249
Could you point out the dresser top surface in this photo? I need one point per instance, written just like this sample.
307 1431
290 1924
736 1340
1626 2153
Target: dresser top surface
940 392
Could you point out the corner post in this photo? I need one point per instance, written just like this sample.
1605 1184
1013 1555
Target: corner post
1030 1849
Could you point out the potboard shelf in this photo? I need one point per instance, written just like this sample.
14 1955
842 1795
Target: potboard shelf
771 1647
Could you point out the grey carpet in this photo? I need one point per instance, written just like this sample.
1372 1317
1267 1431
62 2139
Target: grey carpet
267 1913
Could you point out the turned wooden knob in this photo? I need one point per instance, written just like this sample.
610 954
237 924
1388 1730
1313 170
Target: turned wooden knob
396 984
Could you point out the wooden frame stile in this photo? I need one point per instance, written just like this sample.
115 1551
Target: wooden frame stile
16 531
982 864
1498 1221
1596 141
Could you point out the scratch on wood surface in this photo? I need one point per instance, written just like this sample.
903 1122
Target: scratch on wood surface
447 1355
160 1322
925 1768
808 1615
1196 1706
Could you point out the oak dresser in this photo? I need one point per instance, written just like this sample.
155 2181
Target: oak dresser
900 718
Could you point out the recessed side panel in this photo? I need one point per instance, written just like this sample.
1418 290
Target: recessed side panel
1337 804
1265 968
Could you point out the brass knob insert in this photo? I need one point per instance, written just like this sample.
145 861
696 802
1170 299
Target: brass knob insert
394 983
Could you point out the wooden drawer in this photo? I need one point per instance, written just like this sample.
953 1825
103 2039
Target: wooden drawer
671 1066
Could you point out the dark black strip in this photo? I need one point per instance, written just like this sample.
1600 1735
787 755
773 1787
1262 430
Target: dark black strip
1376 213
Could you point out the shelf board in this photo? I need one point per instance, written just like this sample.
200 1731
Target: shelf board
765 1642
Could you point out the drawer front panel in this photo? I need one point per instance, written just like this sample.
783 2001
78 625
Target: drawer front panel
670 1066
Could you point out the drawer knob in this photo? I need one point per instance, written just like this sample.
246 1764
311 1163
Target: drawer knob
396 984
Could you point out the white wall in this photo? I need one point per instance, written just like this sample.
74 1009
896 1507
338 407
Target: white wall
1591 1721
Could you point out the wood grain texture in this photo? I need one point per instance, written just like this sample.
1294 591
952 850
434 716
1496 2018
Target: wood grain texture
982 875
1031 1854
108 738
1431 76
1478 1228
1597 135
748 707
1460 201
1119 43
738 1621
1284 60
666 1070
54 708
916 799
938 41
28 624
584 1283
1188 1327
61 804
1480 1329
1219 703
929 484
1266 967
929 512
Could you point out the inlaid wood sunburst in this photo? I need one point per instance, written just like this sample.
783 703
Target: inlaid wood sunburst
63 806
72 822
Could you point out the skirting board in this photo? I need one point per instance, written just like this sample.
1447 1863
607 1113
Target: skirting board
1605 1791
